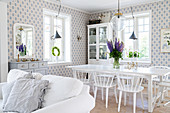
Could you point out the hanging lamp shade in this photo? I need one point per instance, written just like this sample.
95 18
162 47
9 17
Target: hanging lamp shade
118 21
133 36
57 35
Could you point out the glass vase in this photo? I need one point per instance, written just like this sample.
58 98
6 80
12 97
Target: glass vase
116 64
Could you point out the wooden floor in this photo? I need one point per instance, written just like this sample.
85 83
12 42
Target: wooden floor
113 107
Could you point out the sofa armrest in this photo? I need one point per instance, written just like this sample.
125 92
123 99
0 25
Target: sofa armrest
86 89
1 84
82 103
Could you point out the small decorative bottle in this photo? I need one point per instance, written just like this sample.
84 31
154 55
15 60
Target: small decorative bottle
18 58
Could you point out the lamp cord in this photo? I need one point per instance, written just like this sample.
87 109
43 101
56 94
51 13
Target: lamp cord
133 19
59 10
118 6
132 12
57 15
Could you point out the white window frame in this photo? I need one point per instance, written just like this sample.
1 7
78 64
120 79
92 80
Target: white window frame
140 14
68 50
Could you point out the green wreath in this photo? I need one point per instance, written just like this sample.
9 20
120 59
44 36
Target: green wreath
57 50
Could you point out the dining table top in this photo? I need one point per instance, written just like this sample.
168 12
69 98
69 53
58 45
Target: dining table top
123 69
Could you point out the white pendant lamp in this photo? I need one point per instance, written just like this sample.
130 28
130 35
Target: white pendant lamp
56 36
118 20
133 36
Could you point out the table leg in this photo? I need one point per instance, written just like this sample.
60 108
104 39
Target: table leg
161 89
150 94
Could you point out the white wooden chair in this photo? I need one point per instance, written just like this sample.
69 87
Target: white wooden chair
86 78
163 86
105 81
129 83
156 79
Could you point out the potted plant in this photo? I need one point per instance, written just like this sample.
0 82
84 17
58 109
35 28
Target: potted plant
130 54
136 54
116 51
133 54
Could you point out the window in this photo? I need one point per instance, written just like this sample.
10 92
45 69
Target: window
62 25
142 31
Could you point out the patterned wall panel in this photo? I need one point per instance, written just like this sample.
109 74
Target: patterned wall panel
31 12
160 19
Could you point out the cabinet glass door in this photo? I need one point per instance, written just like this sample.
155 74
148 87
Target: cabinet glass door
92 52
102 35
102 52
102 42
92 36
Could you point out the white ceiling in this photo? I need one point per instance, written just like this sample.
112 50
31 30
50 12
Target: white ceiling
92 6
6 0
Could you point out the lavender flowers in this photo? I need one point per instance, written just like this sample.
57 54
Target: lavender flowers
116 49
22 49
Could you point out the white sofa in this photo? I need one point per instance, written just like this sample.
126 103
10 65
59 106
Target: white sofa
81 103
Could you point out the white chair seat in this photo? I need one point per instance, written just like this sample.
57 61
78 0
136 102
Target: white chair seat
105 86
85 81
141 88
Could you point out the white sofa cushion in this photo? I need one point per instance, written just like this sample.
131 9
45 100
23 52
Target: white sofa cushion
61 88
26 95
37 76
6 90
15 74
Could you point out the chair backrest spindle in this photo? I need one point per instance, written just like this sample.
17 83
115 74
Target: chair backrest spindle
129 82
104 80
83 76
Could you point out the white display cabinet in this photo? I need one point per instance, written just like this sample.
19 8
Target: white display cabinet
98 34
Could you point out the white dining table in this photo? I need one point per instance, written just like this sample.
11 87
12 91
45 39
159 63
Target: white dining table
147 73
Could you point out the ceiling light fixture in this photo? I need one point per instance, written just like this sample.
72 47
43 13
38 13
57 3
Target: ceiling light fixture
56 36
118 20
133 36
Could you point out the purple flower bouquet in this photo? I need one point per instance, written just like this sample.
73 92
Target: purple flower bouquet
116 51
22 49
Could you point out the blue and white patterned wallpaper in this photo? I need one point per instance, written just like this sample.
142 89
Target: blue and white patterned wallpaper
31 12
160 19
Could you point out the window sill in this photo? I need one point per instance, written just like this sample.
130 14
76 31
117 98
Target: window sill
139 62
58 63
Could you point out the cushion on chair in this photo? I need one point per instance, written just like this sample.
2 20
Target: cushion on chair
61 88
14 74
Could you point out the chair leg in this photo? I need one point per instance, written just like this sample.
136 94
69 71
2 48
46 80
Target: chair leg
166 92
159 96
134 102
107 92
95 93
124 98
102 93
166 103
142 100
93 88
162 94
115 94
154 88
120 97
